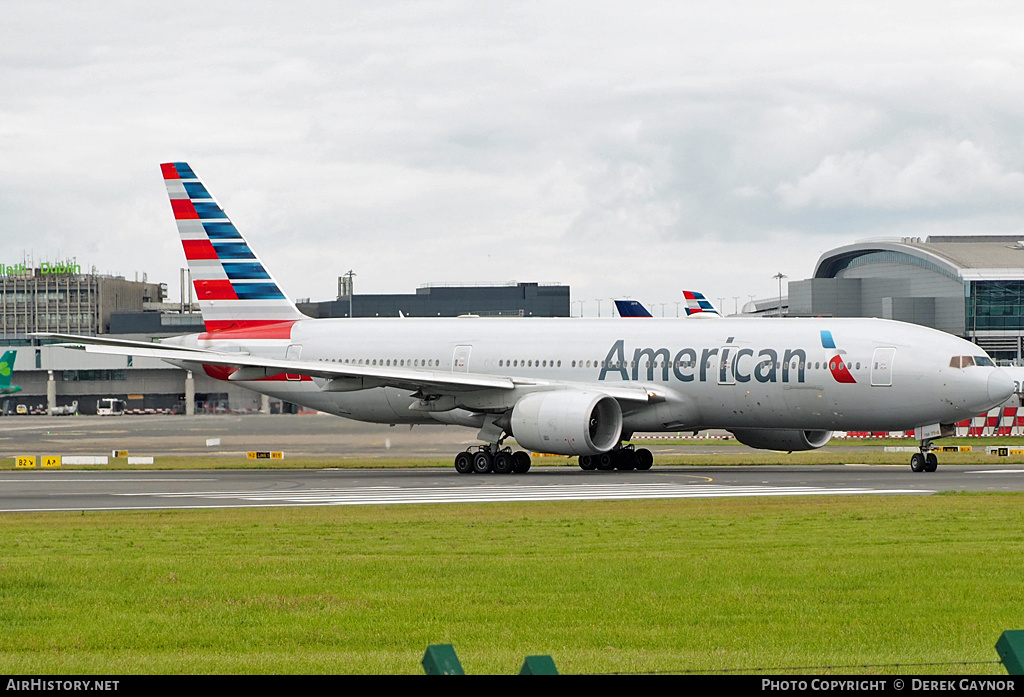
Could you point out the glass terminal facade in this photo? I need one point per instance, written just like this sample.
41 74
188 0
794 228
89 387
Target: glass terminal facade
995 305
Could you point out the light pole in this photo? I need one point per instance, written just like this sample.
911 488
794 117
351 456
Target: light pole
351 291
780 276
598 306
678 302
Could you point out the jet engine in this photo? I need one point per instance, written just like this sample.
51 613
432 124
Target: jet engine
779 439
567 422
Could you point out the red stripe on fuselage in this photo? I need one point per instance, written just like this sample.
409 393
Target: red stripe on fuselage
247 329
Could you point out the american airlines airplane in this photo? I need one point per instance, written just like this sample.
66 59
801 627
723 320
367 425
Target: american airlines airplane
565 386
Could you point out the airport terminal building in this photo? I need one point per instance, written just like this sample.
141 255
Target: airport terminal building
970 286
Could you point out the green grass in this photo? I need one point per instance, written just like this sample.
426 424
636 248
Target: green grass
637 586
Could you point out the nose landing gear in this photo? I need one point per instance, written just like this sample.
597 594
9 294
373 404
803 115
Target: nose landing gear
924 461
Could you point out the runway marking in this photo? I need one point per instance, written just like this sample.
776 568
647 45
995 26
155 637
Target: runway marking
18 480
487 494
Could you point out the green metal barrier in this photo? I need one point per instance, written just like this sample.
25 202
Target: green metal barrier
1011 651
538 665
440 659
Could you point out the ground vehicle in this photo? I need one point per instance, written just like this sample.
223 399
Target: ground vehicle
21 409
110 406
66 410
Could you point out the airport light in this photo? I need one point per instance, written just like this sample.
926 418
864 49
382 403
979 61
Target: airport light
780 275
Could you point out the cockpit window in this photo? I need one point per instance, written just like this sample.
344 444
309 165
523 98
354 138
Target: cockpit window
967 361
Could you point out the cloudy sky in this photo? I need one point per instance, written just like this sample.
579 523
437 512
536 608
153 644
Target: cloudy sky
625 149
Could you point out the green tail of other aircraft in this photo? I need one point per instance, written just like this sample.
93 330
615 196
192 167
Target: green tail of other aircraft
6 368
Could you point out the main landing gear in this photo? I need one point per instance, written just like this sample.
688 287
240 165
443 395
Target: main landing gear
498 460
924 461
624 458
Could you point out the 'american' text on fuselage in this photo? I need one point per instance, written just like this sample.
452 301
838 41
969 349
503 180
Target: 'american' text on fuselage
764 365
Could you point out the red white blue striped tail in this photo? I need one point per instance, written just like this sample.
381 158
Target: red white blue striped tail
234 289
697 303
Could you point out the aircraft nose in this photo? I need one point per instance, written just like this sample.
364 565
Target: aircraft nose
1000 386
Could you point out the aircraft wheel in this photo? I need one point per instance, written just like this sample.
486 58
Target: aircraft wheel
931 462
503 463
587 462
605 461
627 460
464 463
917 462
522 462
482 462
644 459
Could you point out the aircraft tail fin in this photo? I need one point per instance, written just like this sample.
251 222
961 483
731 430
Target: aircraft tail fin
234 288
7 367
631 308
696 304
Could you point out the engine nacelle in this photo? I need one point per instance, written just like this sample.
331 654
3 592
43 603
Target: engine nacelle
567 422
779 439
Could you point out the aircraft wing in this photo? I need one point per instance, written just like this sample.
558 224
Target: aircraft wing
251 367
80 341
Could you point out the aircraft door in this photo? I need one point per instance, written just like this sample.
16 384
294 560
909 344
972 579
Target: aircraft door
460 359
881 367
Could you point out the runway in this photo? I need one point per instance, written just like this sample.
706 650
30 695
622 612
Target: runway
28 491
326 437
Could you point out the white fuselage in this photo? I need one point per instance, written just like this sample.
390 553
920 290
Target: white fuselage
716 373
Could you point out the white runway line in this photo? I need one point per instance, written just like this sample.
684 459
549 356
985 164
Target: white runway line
595 492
